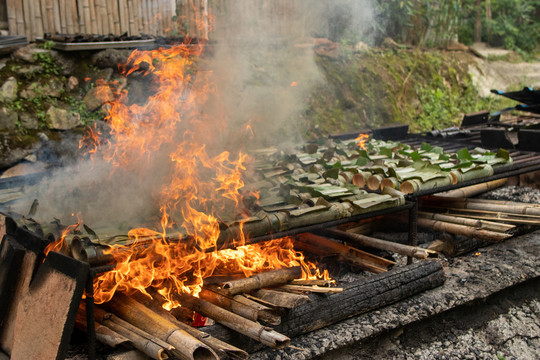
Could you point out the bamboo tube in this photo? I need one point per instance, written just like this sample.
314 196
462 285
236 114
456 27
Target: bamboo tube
131 17
311 288
462 230
414 185
41 17
240 305
390 182
103 334
266 279
473 190
374 181
110 16
368 241
80 16
221 348
75 16
102 17
235 322
483 171
186 346
487 205
487 225
360 179
140 342
279 298
361 259
136 13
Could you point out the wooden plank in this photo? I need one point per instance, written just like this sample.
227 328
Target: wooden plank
47 312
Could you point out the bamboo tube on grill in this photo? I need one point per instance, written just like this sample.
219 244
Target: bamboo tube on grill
414 185
266 279
483 171
374 181
235 322
390 182
186 346
473 190
487 225
360 179
363 240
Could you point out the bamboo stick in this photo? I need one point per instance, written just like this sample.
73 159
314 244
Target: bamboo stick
487 205
473 190
368 241
317 282
103 334
265 313
221 348
266 279
235 322
487 225
361 259
311 288
186 346
140 342
239 305
462 230
495 216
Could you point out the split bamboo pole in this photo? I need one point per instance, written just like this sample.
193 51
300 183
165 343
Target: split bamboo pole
368 241
186 346
110 16
93 17
103 334
40 18
81 17
235 322
27 21
262 280
63 16
483 224
75 16
486 205
87 17
66 10
116 17
311 289
131 17
464 230
473 190
19 16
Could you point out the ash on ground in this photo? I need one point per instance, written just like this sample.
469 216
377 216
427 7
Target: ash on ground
514 193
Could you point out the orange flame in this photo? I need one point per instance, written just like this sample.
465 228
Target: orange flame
202 187
361 141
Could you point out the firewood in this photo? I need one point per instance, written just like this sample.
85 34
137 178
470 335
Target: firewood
186 346
235 322
368 241
316 282
361 259
103 334
279 298
473 190
265 313
266 279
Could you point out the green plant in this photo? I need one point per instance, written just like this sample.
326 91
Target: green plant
47 45
47 63
18 105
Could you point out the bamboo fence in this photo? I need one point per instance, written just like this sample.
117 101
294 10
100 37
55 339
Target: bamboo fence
33 18
195 18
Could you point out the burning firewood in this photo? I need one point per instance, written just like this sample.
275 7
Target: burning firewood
235 322
186 346
266 279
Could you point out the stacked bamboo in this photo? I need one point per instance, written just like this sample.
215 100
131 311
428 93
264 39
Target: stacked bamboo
33 18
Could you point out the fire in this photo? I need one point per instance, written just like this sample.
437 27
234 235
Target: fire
201 185
361 141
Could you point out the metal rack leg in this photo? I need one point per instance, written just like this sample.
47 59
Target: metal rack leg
90 317
413 227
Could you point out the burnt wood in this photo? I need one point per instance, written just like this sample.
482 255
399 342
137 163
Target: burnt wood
358 297
11 259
